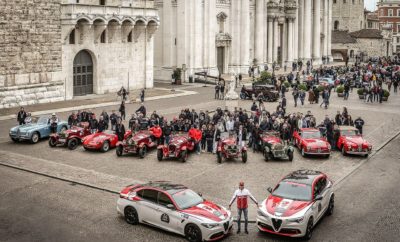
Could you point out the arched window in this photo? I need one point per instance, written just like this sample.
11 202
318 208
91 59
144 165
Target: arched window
103 37
336 25
72 37
130 37
351 53
221 17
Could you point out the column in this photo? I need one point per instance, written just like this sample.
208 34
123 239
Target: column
284 42
259 33
300 36
307 29
330 31
325 26
265 29
270 41
290 51
167 36
317 33
235 25
295 39
245 34
197 53
181 30
275 41
210 33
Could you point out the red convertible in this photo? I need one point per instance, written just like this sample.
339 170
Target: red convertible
178 147
137 143
311 142
349 141
229 148
71 137
103 141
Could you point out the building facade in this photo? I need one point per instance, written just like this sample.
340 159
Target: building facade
348 15
371 20
389 16
228 36
55 50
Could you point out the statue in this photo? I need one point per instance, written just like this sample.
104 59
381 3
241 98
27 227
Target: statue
231 94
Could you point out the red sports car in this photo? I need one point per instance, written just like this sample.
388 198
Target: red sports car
103 141
178 147
349 141
311 142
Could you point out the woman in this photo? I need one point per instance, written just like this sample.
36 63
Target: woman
311 96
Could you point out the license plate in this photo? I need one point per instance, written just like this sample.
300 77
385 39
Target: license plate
62 140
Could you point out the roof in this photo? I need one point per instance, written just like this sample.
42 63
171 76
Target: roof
168 187
342 37
367 34
303 176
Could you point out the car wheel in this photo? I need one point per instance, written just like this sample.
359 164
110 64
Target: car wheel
244 156
193 233
343 151
290 156
242 96
184 156
120 150
142 152
131 216
331 205
266 156
35 138
52 142
106 146
160 155
303 153
63 129
219 157
14 139
309 230
73 143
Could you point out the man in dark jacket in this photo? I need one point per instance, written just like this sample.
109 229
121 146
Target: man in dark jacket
359 123
21 116
142 110
113 119
93 124
167 131
120 130
101 125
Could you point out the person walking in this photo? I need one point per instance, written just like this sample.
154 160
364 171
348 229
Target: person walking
359 123
122 110
216 96
21 116
142 96
242 195
295 94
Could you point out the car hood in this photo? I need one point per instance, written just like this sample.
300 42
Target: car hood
207 210
316 142
284 207
28 127
97 137
73 130
272 139
230 141
141 135
356 139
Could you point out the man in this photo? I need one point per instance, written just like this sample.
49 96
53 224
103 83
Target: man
101 126
72 119
216 96
120 129
142 96
156 133
295 94
93 124
141 109
53 123
195 135
346 90
21 116
113 119
122 92
359 123
167 131
106 118
241 195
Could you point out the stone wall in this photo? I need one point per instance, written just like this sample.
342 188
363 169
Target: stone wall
349 15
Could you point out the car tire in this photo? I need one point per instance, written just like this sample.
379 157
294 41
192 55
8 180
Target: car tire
184 156
290 156
119 150
52 142
131 215
73 143
106 146
193 233
303 153
242 96
219 157
160 154
142 152
244 156
343 151
331 205
63 129
309 229
35 138
266 156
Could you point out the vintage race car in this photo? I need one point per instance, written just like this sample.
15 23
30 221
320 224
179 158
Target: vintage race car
71 137
311 142
137 143
349 141
274 148
228 148
178 147
296 204
103 141
39 129
269 92
174 208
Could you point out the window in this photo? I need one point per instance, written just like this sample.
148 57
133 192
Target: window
353 1
103 37
149 195
334 1
336 25
382 12
102 2
72 37
221 17
320 185
344 1
77 1
398 28
390 12
370 25
163 199
130 37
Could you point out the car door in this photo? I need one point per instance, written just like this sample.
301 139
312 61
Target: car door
296 137
167 216
319 190
148 206
325 193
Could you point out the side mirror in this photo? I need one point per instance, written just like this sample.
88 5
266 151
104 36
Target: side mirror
200 194
269 189
318 198
171 206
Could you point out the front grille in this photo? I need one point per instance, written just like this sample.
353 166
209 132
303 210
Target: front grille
226 225
214 236
278 153
276 223
278 147
63 135
232 149
171 148
265 226
290 231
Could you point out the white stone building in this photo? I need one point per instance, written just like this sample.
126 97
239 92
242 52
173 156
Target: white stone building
228 36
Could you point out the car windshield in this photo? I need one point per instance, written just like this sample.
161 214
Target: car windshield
187 198
311 135
42 120
293 191
349 132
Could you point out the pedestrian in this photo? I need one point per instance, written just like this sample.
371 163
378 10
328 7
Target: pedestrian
346 91
21 116
302 96
106 118
93 124
142 96
142 110
295 94
28 119
122 92
216 96
53 123
167 131
222 91
101 126
113 119
359 123
242 195
120 129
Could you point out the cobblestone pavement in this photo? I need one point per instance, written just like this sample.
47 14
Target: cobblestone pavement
202 173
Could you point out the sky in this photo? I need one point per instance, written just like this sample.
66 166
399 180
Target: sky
370 4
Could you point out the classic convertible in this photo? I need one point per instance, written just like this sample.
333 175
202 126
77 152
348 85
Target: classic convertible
311 142
350 141
39 129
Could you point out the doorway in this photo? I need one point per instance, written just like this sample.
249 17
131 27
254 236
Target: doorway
83 74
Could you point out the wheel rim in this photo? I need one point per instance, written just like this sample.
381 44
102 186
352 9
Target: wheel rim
105 146
63 129
52 142
130 216
35 138
192 233
73 143
309 230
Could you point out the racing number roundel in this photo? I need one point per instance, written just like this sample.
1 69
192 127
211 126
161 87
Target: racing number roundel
165 218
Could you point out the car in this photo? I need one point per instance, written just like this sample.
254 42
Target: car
311 142
349 141
269 92
274 148
174 208
136 143
228 148
71 137
33 132
179 147
327 81
296 204
103 141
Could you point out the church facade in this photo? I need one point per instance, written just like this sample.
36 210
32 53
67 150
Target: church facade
229 36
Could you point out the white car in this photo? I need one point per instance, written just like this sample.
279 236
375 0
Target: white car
296 204
174 208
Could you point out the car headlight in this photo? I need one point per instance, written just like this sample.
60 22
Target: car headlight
296 220
210 226
308 147
261 213
329 147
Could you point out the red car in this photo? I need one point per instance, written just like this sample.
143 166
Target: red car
71 137
137 143
229 148
349 141
103 141
311 142
178 147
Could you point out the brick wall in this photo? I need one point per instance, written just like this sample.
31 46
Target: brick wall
30 37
